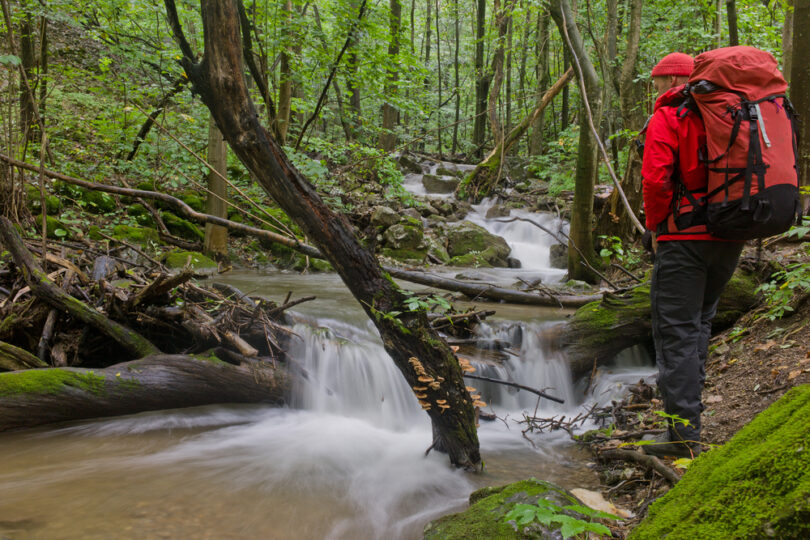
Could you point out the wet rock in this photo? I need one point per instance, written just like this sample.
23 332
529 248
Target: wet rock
513 262
547 204
497 211
440 184
408 164
412 213
436 250
472 245
427 210
403 236
382 216
558 256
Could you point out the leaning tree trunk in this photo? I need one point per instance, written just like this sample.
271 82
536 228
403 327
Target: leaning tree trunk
43 396
426 362
581 234
598 331
483 179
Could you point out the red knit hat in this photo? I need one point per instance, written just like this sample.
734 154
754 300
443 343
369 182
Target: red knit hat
676 63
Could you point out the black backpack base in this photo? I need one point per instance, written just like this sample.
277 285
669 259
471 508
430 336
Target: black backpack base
770 212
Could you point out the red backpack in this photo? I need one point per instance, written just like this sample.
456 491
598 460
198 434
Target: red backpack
751 138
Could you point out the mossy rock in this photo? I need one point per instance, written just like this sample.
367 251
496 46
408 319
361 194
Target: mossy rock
198 262
755 486
313 265
55 229
437 250
98 202
193 199
409 255
468 238
141 215
739 296
137 235
63 188
485 519
404 236
182 227
53 204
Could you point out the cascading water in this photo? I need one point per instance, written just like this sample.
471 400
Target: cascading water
346 461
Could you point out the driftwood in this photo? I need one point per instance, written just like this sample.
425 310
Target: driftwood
13 358
515 385
43 396
650 462
44 288
489 292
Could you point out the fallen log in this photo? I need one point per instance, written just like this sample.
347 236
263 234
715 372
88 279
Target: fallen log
43 396
489 292
13 358
44 288
598 331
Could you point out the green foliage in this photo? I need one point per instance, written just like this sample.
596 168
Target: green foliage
783 287
426 302
558 164
613 248
547 513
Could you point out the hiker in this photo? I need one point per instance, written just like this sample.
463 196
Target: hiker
691 266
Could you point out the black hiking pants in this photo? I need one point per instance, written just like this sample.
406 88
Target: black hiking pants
687 280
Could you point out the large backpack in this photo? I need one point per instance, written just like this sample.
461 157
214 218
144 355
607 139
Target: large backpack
751 138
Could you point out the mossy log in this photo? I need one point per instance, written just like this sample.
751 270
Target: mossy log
13 358
598 331
43 396
755 486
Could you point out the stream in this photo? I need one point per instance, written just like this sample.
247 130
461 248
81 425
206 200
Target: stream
346 459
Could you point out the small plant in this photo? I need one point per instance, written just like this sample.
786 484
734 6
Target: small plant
613 248
547 513
783 287
426 302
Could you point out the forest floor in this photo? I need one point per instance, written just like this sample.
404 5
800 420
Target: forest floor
750 366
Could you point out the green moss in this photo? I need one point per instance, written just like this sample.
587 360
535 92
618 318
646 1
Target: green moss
484 519
405 254
49 381
755 486
210 357
53 204
141 215
193 199
197 261
182 227
138 235
98 202
94 233
55 228
470 259
738 297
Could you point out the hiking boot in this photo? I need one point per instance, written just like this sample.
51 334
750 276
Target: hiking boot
663 446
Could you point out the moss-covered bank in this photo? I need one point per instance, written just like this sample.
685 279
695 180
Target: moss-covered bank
755 486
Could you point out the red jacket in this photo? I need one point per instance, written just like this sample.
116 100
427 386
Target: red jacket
671 140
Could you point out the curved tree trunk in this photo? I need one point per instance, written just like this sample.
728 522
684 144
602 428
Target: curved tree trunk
415 347
45 396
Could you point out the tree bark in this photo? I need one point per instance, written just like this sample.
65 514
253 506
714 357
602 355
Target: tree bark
216 236
390 114
152 383
731 12
787 40
581 234
415 347
285 90
542 75
482 80
439 77
28 59
352 82
800 90
615 221
13 358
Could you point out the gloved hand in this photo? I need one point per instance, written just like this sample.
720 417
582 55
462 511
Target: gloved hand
646 240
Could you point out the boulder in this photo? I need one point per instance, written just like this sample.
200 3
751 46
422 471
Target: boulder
406 163
198 262
497 211
403 236
470 244
136 235
382 216
440 184
558 256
